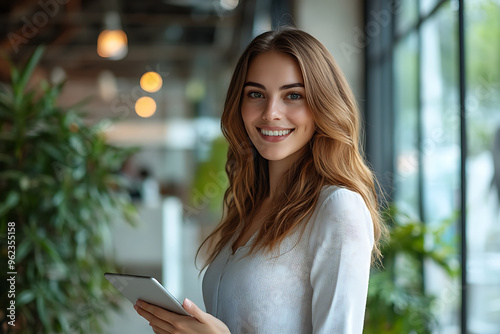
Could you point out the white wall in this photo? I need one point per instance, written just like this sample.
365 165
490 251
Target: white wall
338 24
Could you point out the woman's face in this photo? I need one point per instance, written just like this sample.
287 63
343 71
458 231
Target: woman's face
274 107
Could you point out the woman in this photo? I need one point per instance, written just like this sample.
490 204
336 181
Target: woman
301 224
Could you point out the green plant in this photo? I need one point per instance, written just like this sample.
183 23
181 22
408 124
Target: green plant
397 302
60 190
210 182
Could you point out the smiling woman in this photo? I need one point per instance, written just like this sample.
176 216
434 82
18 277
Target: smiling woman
301 225
274 108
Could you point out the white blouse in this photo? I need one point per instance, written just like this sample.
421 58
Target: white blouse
314 284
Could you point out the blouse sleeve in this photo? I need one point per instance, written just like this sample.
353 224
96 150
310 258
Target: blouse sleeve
341 245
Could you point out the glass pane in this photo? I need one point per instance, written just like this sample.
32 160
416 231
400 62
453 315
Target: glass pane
406 15
406 125
440 151
426 6
483 164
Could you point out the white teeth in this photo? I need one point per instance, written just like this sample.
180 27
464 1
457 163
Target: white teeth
275 133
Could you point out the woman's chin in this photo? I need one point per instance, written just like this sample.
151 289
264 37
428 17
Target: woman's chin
277 156
272 156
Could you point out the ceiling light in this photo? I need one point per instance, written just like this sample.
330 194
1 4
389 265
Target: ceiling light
108 89
145 106
229 4
112 41
151 82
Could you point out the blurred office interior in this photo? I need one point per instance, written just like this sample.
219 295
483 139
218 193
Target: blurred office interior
427 80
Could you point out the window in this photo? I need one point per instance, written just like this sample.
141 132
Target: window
483 164
439 63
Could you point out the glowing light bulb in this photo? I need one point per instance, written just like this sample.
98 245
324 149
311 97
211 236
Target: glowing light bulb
145 106
229 4
112 44
151 82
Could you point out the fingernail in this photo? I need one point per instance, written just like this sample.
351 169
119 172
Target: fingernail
187 302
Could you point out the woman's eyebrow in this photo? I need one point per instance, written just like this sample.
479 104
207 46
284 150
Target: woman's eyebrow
297 84
284 87
254 84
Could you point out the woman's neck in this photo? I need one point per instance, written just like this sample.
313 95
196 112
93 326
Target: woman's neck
278 168
276 172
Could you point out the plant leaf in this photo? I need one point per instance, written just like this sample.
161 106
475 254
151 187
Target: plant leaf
25 74
10 202
25 297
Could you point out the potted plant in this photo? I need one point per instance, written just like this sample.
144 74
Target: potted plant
59 192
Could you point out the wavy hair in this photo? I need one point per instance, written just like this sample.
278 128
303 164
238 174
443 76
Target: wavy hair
333 156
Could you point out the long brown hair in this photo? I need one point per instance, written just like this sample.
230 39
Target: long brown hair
333 156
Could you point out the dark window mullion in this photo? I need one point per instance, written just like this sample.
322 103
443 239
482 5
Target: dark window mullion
390 100
463 156
420 139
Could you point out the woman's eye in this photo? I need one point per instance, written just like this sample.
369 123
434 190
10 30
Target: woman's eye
294 96
255 95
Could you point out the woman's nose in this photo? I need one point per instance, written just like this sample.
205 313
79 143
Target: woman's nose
272 111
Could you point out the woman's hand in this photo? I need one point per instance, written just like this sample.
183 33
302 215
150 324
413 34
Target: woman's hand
163 321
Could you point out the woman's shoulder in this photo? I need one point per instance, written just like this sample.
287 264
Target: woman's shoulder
331 195
341 212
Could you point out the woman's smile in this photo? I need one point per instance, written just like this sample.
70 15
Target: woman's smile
274 134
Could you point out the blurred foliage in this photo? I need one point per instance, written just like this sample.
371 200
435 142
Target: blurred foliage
210 182
397 302
482 41
483 76
59 185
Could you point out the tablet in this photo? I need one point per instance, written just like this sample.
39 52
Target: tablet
145 288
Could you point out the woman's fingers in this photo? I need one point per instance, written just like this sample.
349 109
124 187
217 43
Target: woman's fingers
205 323
194 310
157 317
163 321
158 330
157 311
